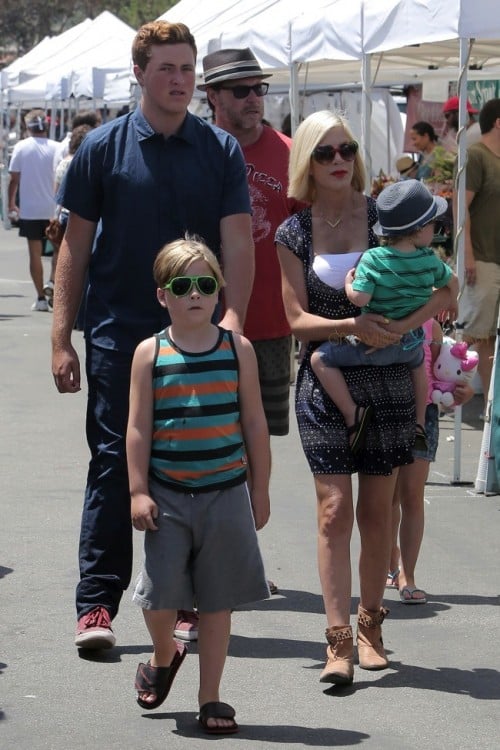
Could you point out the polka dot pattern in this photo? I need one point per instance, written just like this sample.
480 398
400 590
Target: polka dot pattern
389 389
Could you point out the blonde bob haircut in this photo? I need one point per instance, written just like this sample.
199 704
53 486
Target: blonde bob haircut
175 258
308 135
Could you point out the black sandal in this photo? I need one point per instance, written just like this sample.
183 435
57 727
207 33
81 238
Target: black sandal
360 427
157 680
217 710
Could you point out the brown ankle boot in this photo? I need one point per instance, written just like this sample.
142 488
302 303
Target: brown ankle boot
339 668
371 652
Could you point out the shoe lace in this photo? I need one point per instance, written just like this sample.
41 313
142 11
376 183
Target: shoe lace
97 618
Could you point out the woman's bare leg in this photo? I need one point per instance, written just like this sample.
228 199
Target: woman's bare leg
335 523
374 516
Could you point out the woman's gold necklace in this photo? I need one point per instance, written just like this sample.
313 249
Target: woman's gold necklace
331 224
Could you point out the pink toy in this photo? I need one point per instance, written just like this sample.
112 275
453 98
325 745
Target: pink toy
455 364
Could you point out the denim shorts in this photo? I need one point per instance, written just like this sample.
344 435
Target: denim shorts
205 552
408 351
432 431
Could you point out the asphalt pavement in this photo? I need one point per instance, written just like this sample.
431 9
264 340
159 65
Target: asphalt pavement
442 689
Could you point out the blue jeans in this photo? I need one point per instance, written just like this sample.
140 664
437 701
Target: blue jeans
353 355
105 553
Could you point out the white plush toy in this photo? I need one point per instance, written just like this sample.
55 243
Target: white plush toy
455 364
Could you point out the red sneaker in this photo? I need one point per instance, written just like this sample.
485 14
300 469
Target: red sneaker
186 627
94 630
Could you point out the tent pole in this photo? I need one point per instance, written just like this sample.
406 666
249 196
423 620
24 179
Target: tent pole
366 114
293 96
464 52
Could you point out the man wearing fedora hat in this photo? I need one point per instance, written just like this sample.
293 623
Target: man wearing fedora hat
234 83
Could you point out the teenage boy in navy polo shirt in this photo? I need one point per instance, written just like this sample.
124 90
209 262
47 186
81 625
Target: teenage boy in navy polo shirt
135 184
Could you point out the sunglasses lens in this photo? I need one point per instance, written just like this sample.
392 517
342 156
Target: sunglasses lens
207 285
348 151
241 92
180 286
326 154
323 154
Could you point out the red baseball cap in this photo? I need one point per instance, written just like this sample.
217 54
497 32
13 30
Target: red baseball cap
452 106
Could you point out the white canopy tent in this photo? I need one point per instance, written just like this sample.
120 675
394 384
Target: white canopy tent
102 44
26 67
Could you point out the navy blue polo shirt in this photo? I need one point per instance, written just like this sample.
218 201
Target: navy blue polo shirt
144 190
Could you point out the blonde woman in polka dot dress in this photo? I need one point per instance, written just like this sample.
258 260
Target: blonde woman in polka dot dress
316 248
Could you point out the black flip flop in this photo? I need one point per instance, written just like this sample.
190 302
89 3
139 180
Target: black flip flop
158 680
217 710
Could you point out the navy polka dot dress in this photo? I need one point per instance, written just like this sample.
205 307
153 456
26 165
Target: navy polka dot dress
389 389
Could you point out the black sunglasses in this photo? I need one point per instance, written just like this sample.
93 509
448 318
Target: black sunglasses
326 154
241 92
181 286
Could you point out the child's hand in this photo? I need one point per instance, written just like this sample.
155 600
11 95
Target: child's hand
449 315
144 512
261 508
349 277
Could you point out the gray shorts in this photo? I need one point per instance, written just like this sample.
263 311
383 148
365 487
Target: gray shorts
205 552
273 359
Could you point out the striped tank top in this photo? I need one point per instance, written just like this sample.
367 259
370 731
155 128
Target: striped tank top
197 442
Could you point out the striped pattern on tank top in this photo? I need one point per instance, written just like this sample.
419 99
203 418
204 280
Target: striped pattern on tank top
197 442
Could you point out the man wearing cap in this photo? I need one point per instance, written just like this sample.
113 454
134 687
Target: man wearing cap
235 88
479 302
449 136
32 177
136 183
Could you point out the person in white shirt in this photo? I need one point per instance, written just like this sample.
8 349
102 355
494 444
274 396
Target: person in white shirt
31 184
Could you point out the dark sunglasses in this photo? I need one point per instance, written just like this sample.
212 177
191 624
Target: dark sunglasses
181 286
326 154
241 92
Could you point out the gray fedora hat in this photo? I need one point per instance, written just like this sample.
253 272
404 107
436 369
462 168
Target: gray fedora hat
229 65
404 207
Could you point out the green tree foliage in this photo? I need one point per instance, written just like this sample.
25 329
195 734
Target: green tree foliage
24 23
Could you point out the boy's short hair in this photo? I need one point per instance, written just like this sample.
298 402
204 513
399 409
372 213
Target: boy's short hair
175 258
159 32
